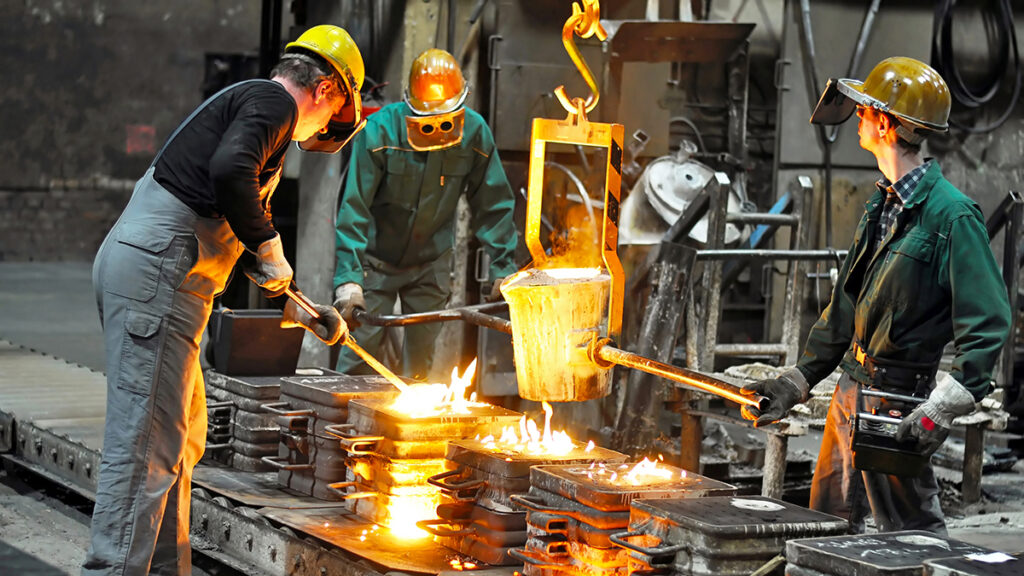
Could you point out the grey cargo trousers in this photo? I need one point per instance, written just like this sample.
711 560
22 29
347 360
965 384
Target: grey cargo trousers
155 278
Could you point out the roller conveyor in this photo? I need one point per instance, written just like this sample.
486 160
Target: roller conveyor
51 422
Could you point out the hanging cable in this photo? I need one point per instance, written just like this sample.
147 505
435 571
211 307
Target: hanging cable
999 20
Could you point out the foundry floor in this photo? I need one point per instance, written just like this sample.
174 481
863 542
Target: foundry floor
50 307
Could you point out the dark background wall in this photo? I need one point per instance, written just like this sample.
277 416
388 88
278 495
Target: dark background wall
89 91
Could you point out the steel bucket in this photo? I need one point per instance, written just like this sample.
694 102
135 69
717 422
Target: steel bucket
556 314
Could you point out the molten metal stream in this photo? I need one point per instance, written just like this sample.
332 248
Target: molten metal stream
608 354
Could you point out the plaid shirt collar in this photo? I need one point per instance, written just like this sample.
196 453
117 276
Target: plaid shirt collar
905 186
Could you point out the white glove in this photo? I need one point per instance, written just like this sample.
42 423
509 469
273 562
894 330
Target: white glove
347 298
930 422
271 271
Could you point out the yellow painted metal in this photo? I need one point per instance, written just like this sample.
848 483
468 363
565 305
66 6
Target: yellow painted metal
584 22
577 130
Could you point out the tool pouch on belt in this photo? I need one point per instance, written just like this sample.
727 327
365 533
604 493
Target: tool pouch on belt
905 377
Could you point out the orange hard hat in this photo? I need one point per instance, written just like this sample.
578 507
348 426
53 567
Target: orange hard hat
436 85
904 87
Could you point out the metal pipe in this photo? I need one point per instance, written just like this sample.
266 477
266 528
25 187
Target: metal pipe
772 254
768 218
463 313
604 355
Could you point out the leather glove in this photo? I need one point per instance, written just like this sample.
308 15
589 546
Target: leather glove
783 392
930 422
329 327
347 298
495 294
269 269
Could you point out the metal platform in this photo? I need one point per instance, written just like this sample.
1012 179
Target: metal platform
51 421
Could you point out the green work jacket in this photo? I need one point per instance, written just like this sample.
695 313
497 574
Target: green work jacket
932 280
398 205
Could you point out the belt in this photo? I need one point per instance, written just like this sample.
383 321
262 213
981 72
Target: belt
908 376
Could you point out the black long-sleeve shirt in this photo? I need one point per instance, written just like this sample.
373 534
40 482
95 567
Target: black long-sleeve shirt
220 160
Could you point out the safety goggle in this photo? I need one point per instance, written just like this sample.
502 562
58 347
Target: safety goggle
435 132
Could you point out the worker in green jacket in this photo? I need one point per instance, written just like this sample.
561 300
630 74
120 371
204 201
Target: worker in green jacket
396 221
919 274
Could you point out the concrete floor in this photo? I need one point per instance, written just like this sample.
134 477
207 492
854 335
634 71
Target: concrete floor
51 307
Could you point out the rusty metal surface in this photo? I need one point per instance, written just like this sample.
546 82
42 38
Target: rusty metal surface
375 416
582 484
481 551
516 463
721 536
242 538
539 500
964 566
666 41
306 484
320 415
335 390
346 532
571 529
255 387
468 512
254 489
240 402
888 554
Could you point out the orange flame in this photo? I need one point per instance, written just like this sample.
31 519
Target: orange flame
427 400
642 473
533 440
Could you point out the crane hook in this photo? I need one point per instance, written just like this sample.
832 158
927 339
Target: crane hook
585 22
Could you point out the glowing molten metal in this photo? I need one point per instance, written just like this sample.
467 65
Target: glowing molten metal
644 473
534 441
427 400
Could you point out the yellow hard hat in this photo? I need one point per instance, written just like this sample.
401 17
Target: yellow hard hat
436 85
904 87
336 46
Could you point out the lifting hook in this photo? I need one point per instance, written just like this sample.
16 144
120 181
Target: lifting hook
585 22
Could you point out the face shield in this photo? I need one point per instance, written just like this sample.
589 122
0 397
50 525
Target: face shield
342 127
435 132
838 101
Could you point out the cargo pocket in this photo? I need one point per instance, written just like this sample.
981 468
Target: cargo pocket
139 351
133 267
401 184
918 245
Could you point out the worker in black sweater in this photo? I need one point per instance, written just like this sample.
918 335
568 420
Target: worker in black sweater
203 204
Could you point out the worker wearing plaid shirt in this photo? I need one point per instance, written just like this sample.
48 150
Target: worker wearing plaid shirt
919 274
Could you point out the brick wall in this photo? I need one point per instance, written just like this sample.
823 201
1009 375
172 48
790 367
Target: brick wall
66 222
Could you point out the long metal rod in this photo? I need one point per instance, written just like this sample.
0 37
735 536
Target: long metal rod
375 364
448 315
299 298
611 355
772 254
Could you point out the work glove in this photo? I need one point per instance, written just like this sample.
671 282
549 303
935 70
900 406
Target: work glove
329 327
783 392
930 422
495 294
267 267
347 298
